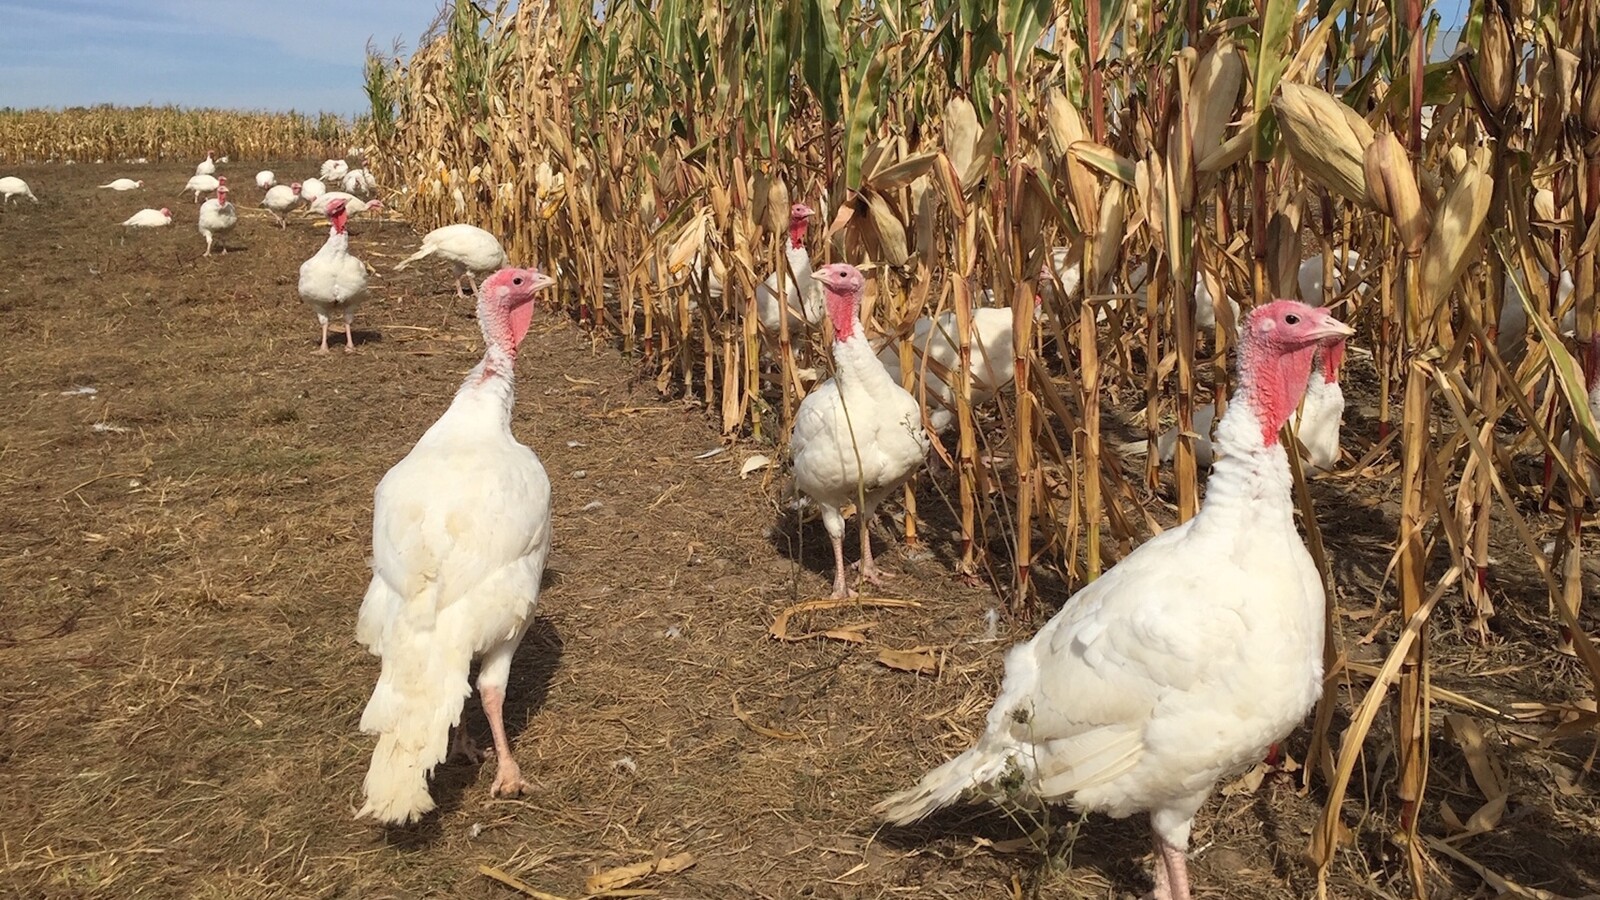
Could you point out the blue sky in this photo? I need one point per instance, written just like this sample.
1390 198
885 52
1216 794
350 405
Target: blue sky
284 54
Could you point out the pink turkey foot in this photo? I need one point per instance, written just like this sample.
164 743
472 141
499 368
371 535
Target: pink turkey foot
873 575
464 748
508 780
841 587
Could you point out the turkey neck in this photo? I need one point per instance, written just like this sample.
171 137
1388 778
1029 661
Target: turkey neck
1250 480
491 386
856 367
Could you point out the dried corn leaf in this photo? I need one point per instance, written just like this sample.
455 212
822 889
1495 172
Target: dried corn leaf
918 660
622 876
1454 242
763 730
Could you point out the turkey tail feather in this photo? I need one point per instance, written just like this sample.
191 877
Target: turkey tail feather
426 251
419 695
977 768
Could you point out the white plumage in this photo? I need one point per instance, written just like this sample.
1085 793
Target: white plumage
150 218
936 352
12 186
1316 423
123 184
203 184
265 179
1185 660
217 217
358 181
859 434
353 205
804 296
1309 276
469 248
460 533
207 166
1511 341
334 283
280 199
333 169
312 188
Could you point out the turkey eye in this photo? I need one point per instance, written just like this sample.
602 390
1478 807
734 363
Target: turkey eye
1292 319
516 281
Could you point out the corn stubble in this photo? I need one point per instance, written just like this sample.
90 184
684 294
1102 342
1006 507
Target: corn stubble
648 155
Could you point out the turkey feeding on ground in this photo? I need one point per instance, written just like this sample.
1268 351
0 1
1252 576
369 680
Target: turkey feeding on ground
203 184
123 184
207 166
265 179
280 199
859 434
460 532
804 296
217 217
334 283
353 205
469 248
936 352
12 186
1316 423
150 218
312 188
1188 658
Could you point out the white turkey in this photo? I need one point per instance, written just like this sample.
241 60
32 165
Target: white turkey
207 166
1187 659
859 434
358 181
334 283
149 218
217 217
353 204
1511 341
123 184
312 188
280 200
803 299
333 169
1309 276
460 533
469 248
12 186
203 184
936 360
1316 423
265 179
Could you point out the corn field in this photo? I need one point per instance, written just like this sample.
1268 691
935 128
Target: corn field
969 154
111 133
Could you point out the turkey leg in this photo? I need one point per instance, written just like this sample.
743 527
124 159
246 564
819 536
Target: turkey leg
508 775
841 589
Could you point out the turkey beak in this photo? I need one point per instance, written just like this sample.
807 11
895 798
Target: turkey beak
1331 329
541 281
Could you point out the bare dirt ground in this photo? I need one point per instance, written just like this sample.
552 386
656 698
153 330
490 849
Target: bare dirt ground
182 553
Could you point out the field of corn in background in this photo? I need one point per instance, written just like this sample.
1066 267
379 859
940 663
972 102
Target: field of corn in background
164 133
951 145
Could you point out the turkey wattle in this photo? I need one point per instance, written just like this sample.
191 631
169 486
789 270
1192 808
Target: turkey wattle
334 283
1188 658
859 434
469 248
460 533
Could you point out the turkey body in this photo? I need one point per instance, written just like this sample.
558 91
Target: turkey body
217 217
149 218
334 283
460 535
936 363
470 249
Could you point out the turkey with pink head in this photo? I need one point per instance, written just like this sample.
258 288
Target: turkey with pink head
1187 659
334 283
460 533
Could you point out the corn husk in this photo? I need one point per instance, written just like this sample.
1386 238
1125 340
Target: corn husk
1393 190
1494 66
1212 95
1458 229
1327 139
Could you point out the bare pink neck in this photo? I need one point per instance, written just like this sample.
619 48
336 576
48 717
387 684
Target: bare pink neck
797 234
1273 386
